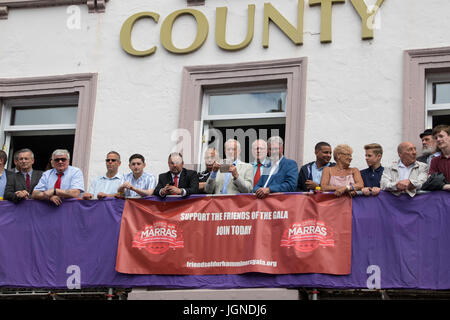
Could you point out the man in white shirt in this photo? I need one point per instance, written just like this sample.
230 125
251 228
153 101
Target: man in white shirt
405 175
137 183
106 185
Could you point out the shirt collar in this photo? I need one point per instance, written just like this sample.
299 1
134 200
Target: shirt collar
265 163
401 165
117 176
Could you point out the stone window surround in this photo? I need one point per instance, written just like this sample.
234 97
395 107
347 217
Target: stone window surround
418 64
5 5
195 2
291 71
83 84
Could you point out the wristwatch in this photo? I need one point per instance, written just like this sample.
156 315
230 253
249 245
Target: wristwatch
54 191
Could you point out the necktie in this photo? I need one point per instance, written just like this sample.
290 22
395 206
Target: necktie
175 181
225 182
257 174
28 182
58 182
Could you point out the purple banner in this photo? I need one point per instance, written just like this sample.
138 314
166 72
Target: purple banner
398 241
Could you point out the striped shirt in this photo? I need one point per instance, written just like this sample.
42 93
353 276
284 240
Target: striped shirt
146 181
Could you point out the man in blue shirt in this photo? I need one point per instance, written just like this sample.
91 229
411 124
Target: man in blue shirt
372 175
63 181
106 185
137 183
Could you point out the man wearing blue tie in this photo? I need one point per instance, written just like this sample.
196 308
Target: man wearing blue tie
281 176
238 178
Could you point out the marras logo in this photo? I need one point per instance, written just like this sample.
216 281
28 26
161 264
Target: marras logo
308 235
158 238
270 14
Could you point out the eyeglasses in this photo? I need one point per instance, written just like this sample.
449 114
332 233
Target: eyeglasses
60 159
111 160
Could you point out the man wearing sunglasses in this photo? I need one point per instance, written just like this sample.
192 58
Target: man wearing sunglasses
106 185
61 182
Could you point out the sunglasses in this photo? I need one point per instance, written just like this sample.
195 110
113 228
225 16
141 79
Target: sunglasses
60 159
111 160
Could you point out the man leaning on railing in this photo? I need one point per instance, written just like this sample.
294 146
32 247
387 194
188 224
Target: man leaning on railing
441 163
63 181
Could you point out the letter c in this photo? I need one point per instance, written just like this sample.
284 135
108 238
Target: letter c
127 28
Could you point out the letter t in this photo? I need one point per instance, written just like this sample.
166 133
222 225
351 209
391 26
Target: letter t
326 17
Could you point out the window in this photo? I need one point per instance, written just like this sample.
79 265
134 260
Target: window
48 113
29 122
6 5
267 96
437 99
245 114
425 91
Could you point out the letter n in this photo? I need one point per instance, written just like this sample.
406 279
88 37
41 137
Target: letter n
272 14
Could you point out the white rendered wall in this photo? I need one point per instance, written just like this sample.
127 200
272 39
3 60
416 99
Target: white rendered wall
354 86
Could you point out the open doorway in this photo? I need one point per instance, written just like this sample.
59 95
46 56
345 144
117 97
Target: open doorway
42 147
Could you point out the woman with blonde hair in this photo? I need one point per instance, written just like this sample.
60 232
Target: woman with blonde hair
342 178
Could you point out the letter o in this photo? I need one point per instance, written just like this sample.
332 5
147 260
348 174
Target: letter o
125 34
202 30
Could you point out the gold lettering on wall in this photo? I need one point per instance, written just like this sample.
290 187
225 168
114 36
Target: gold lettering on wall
221 27
127 28
325 17
272 14
367 16
167 25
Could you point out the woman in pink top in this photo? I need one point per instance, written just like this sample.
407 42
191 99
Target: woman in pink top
341 178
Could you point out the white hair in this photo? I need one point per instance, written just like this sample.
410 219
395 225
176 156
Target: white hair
234 140
61 151
275 139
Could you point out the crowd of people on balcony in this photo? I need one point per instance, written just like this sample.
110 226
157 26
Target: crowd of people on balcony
270 172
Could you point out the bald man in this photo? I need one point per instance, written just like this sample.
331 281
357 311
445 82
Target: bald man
406 175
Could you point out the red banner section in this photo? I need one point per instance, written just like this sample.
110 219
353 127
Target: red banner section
236 234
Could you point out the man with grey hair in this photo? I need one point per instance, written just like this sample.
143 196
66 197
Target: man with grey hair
106 185
234 176
281 176
259 152
22 183
405 175
63 181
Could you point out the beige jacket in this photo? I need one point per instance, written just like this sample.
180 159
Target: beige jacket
243 184
418 176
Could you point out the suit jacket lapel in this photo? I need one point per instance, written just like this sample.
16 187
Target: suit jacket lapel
182 182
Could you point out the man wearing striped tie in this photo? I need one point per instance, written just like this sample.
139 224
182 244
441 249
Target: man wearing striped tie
22 183
61 182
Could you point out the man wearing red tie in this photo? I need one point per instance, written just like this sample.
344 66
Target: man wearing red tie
178 180
63 181
259 152
22 184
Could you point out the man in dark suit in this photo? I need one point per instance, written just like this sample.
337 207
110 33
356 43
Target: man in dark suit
281 176
21 184
178 180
